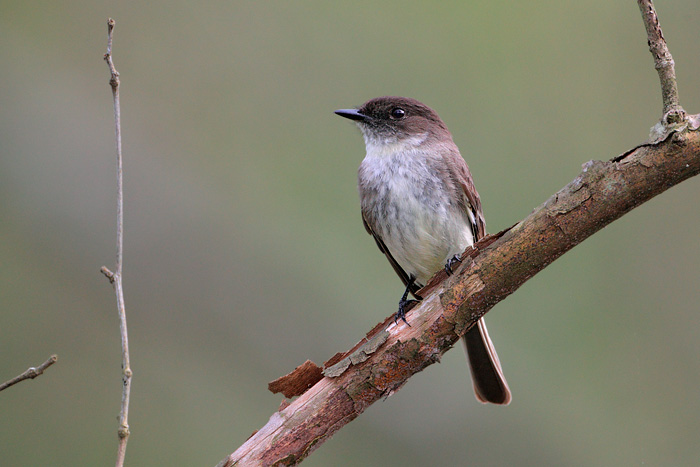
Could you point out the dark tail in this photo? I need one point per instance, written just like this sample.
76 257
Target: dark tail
489 383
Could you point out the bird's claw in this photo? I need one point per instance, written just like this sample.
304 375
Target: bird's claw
401 314
451 262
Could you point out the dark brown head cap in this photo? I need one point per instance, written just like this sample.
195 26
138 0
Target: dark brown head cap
397 117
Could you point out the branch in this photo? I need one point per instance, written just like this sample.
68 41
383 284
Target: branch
674 117
31 373
116 277
498 265
663 61
603 192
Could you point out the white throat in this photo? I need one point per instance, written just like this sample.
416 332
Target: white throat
383 147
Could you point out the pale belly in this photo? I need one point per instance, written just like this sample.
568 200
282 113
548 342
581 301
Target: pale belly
426 239
414 216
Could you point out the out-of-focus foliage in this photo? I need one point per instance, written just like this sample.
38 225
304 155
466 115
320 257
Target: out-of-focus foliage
245 254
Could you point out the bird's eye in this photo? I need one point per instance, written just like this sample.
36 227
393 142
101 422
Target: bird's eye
398 113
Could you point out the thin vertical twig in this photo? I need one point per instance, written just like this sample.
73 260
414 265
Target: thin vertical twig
31 373
663 62
116 277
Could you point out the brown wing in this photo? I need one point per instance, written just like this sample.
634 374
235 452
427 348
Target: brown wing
382 247
462 178
487 375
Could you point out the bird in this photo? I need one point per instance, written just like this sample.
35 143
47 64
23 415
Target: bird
419 203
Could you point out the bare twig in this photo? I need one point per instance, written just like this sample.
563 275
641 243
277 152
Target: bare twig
382 363
31 373
116 277
663 62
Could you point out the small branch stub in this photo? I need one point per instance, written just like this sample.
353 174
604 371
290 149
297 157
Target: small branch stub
108 274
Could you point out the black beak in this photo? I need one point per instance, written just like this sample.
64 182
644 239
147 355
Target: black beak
352 114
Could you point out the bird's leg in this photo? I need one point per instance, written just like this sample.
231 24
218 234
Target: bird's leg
404 302
451 262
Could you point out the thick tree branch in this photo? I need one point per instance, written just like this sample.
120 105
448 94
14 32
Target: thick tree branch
382 363
603 192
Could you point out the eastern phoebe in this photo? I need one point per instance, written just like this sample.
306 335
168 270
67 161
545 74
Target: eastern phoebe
419 203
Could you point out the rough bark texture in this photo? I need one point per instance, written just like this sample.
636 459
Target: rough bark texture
298 381
603 192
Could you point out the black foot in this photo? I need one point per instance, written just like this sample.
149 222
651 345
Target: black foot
451 262
401 314
404 302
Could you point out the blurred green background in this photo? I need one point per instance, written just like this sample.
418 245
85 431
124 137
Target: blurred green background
245 254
